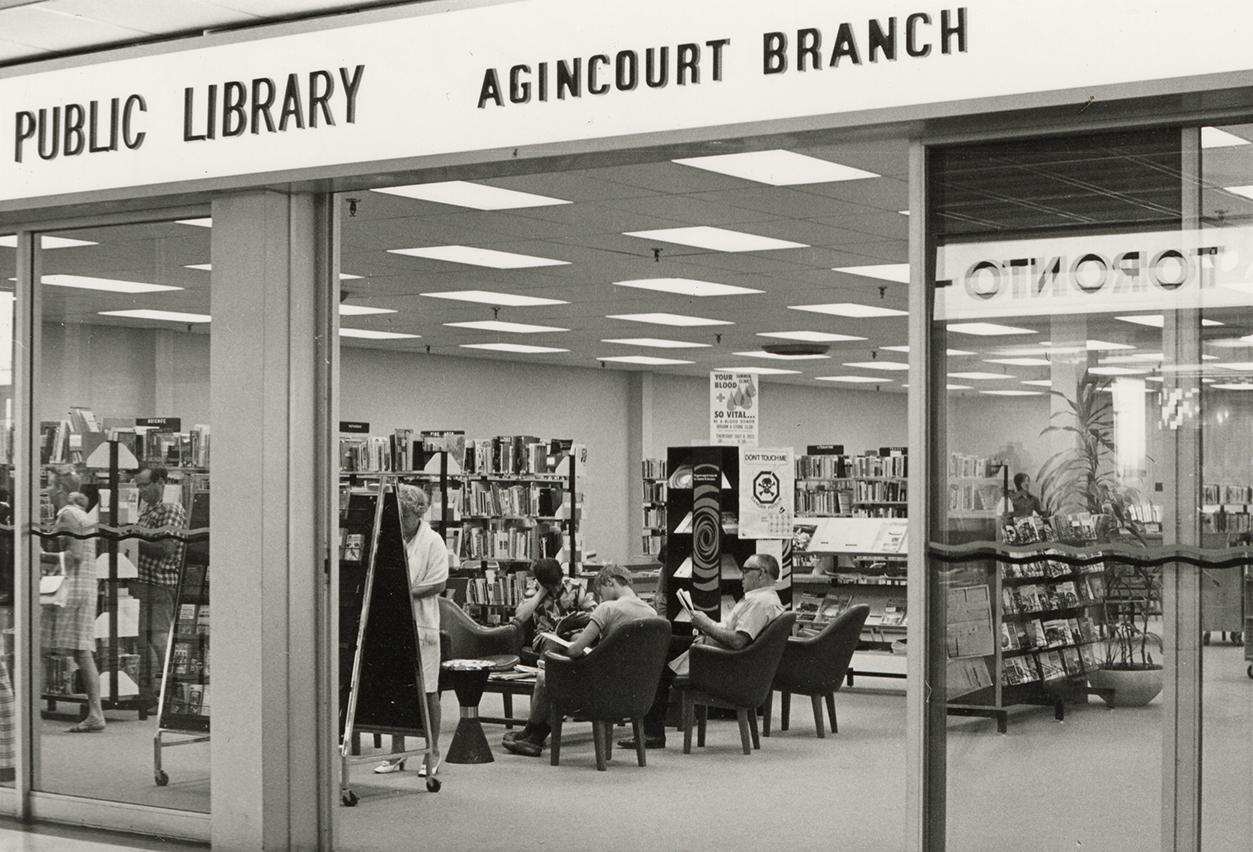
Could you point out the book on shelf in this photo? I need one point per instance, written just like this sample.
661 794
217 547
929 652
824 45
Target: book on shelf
1088 654
186 623
1056 632
1035 630
1071 661
653 469
1051 666
894 614
966 676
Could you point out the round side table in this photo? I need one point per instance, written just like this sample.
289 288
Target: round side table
469 677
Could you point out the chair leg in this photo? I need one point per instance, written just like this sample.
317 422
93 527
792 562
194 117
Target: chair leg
637 728
785 710
765 713
554 722
835 728
606 729
508 698
686 715
746 737
820 724
752 726
702 716
599 741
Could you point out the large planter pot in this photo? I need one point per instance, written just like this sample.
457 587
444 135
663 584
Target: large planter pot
1127 687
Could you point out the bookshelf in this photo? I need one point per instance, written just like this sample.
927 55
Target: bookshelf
653 499
977 487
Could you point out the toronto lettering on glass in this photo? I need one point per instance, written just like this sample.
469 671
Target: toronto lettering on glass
71 130
265 105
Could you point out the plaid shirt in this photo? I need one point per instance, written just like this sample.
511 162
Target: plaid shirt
163 571
553 608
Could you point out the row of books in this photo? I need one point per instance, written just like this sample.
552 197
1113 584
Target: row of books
974 497
822 467
655 492
655 517
1049 665
1045 566
1223 521
496 499
503 589
189 659
188 699
1226 493
893 492
963 465
814 498
653 469
871 511
1048 633
193 620
813 611
64 442
407 450
887 462
1026 530
512 543
651 543
1045 597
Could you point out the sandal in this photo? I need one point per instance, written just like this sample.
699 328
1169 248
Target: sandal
85 728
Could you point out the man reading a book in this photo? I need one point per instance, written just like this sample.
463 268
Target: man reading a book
619 605
557 597
750 615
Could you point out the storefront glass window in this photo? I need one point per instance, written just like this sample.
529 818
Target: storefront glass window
8 275
120 393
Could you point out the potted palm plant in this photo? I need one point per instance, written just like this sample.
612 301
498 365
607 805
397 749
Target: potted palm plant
1082 478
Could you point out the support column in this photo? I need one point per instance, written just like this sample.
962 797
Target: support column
269 562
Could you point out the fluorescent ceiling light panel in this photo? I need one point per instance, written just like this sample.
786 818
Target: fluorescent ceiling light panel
776 167
1040 383
669 319
775 355
1010 393
1246 190
760 371
687 287
479 257
461 193
877 365
1101 346
348 276
1210 358
1212 137
519 348
488 297
361 310
170 316
956 387
48 242
370 334
1019 362
656 343
905 348
501 325
203 267
1225 343
1240 386
646 360
1136 358
979 376
903 212
1116 371
1236 365
850 309
206 222
853 380
715 239
810 336
108 285
1157 320
898 272
986 329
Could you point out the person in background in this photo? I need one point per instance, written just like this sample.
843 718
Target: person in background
750 615
427 559
556 597
160 564
71 629
1024 504
619 605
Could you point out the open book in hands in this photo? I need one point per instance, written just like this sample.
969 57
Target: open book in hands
564 643
685 599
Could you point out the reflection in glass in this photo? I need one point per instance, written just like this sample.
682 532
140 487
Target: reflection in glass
8 271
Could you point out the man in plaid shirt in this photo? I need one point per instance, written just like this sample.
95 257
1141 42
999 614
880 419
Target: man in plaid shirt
160 563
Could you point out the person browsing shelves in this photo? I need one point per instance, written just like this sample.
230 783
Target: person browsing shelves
619 606
160 564
1024 504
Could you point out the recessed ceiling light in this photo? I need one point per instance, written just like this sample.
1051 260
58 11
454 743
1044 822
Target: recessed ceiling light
520 348
1010 393
203 267
501 325
361 310
903 212
759 371
986 329
1040 383
810 336
958 387
1116 371
1157 320
480 257
370 334
646 360
1231 342
655 343
980 376
669 319
898 272
1136 358
850 309
171 316
488 297
687 287
1212 137
1100 346
905 348
1209 358
1236 365
206 222
348 276
853 380
782 357
1246 190
1240 386
1154 379
48 242
479 196
1019 362
877 365
109 285
776 167
715 239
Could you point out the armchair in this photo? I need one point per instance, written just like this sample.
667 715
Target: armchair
736 680
816 667
616 680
